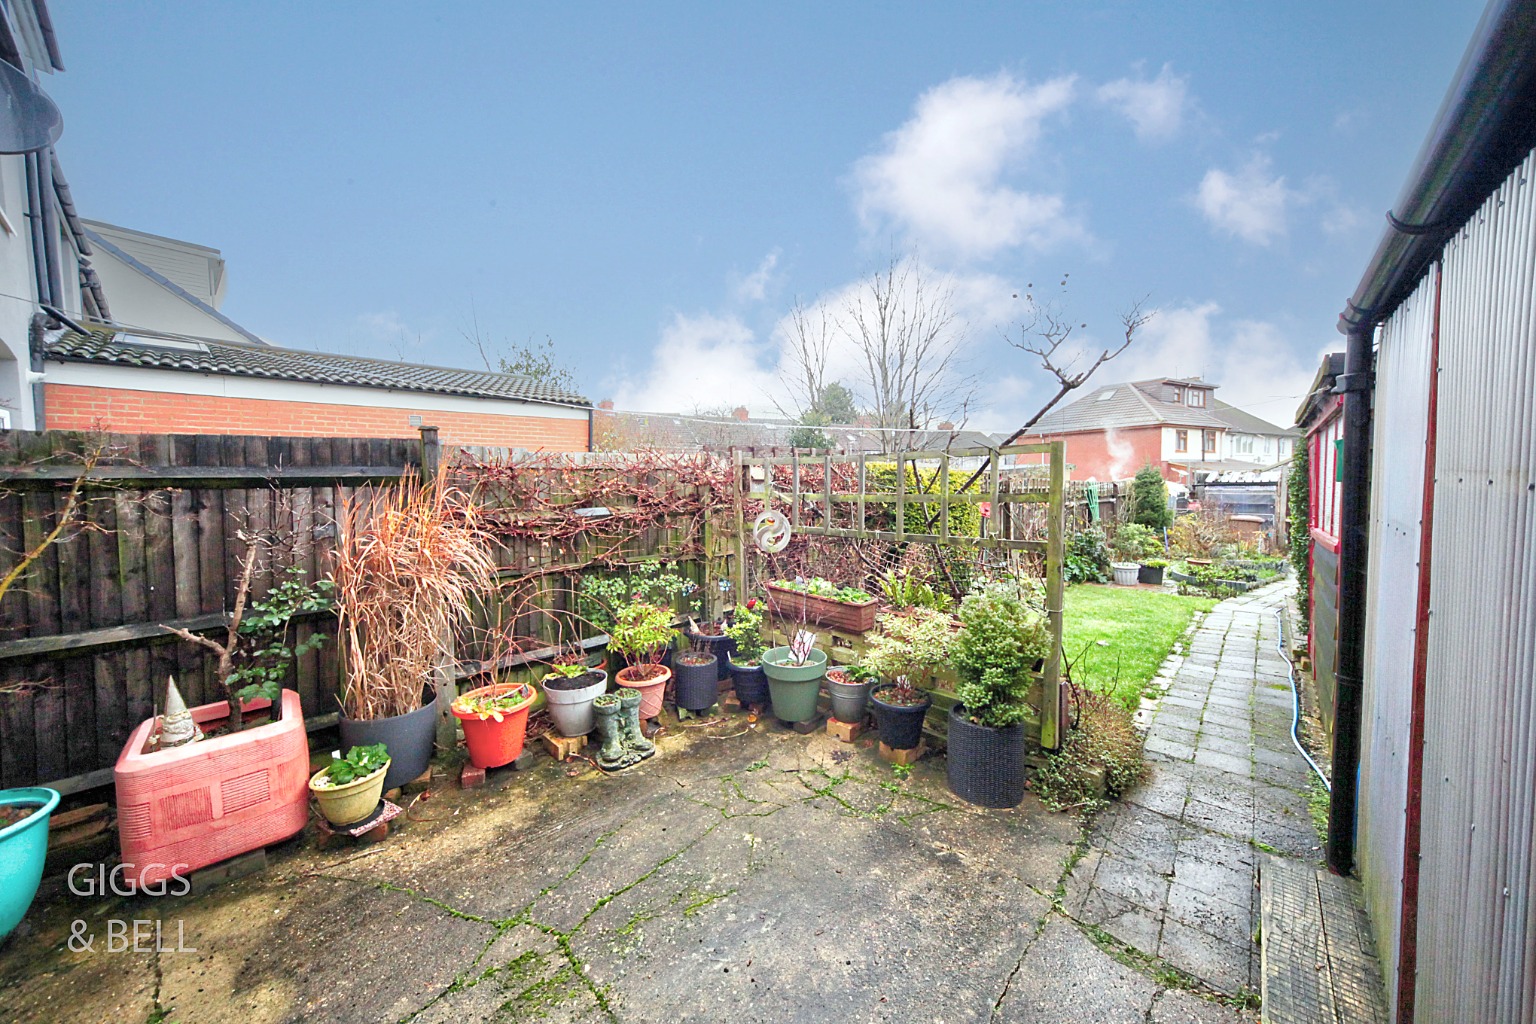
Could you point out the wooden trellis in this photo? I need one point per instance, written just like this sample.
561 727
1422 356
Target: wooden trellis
814 512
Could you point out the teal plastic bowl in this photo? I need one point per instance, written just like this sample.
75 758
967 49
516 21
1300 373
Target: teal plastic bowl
23 847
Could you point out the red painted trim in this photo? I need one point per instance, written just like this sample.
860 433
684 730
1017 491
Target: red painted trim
1408 924
1325 540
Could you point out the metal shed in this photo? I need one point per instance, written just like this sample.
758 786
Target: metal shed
1436 674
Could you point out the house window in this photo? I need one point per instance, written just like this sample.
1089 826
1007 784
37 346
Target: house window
1181 440
1178 395
1243 444
1210 440
1196 398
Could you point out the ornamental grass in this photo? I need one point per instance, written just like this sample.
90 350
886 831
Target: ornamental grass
411 560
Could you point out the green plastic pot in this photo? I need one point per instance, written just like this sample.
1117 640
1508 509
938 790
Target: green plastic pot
794 687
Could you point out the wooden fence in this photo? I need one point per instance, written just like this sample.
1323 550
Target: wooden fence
83 657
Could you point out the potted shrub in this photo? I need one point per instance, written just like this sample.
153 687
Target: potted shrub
824 603
849 686
1001 643
237 783
411 561
908 650
746 633
349 789
714 638
642 634
794 678
698 679
1152 571
569 690
495 720
24 815
1133 542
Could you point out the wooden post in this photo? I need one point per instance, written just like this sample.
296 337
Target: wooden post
446 688
862 472
901 497
1055 556
431 453
826 492
943 498
743 481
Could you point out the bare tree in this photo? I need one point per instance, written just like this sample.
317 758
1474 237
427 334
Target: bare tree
907 336
1044 333
803 371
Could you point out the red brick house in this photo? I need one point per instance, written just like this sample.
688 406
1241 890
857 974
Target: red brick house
148 382
1110 433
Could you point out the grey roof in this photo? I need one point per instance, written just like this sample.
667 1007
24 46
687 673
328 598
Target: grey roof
1132 404
1247 423
110 345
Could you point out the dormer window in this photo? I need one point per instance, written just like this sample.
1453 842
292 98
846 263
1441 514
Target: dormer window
1196 398
1178 395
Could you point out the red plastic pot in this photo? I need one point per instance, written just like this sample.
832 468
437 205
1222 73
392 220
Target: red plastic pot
492 742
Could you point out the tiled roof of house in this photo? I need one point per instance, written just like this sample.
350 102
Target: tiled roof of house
1134 404
1247 423
108 345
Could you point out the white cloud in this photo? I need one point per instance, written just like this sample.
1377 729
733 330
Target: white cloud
1255 365
940 177
754 287
701 360
1250 204
1154 106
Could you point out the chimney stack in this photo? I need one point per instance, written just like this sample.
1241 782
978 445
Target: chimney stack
740 412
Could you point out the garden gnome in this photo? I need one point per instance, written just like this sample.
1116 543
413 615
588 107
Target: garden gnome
629 723
176 726
613 755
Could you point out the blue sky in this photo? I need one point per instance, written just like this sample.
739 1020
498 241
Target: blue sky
653 186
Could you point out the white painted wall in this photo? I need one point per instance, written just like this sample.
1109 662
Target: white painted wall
1196 452
139 301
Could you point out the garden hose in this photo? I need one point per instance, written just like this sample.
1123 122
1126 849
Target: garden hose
1296 702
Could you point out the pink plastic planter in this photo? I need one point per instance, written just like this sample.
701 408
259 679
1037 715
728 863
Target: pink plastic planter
183 809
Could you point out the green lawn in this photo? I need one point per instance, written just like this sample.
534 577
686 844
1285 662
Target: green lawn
1139 627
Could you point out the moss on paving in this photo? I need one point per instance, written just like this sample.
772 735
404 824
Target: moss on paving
1139 627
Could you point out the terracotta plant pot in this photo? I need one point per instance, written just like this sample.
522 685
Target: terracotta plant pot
571 709
23 848
491 743
195 805
794 687
792 604
651 690
351 803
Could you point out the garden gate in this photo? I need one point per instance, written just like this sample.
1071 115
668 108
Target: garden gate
906 498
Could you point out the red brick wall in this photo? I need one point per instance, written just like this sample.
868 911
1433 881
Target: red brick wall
75 407
1089 454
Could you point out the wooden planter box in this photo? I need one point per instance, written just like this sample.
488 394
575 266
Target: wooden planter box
791 604
186 808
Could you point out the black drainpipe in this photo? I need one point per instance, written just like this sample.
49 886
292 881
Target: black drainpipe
1354 517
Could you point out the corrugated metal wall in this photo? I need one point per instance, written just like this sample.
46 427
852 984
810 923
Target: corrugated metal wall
1403 374
1477 930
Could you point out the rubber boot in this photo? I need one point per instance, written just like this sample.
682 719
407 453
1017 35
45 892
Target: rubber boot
629 723
613 755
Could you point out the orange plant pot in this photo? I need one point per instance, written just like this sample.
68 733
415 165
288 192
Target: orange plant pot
494 743
651 690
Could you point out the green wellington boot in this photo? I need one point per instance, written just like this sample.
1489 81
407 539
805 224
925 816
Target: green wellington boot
629 723
613 754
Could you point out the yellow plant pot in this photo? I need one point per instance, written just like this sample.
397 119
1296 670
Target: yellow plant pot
352 803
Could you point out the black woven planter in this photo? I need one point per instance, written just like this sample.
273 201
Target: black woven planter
986 765
900 725
698 686
751 686
722 647
1150 574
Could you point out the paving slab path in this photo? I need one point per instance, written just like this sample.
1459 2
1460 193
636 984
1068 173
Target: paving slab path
1171 870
